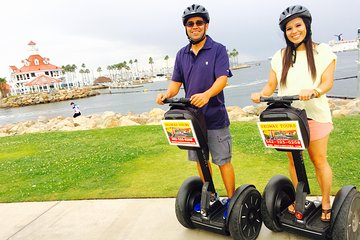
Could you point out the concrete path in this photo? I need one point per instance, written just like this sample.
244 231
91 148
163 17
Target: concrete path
125 219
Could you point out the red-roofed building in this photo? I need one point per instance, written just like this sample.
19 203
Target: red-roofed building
34 66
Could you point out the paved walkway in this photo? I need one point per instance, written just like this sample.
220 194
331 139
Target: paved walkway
125 219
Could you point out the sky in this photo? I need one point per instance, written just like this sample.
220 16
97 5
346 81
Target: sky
100 33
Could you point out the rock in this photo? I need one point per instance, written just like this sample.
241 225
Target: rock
156 113
44 97
111 122
111 119
125 121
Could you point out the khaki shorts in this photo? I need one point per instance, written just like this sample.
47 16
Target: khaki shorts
220 146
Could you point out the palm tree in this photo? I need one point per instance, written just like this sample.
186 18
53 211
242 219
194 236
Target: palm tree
151 62
167 64
70 71
131 69
235 54
84 73
87 77
137 67
230 54
99 70
111 68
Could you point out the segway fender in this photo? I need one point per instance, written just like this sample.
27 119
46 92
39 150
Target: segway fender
235 196
271 190
339 200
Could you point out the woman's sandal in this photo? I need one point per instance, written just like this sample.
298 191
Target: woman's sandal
291 208
325 215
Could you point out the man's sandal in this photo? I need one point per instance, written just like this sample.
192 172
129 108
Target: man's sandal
325 215
291 208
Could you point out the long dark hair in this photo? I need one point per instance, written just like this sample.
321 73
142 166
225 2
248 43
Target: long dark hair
290 54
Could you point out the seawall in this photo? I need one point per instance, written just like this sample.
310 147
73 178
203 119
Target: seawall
339 107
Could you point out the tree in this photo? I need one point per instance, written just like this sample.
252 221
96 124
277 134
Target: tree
111 68
70 73
235 54
85 74
4 88
137 67
230 54
99 70
167 63
151 62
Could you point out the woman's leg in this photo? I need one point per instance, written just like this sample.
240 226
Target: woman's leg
294 180
318 155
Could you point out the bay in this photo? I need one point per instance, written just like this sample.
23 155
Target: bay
139 100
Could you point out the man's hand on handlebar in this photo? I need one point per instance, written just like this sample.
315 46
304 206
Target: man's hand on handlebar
161 98
255 97
199 100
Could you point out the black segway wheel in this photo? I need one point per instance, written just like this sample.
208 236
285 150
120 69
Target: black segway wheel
245 217
188 195
279 193
347 223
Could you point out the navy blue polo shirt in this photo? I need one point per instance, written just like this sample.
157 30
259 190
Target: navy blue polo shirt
198 74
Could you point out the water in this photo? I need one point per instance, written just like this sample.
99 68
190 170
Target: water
139 100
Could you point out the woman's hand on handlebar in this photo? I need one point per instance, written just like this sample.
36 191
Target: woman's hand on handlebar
307 94
255 97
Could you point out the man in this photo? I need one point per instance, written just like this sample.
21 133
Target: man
203 68
76 109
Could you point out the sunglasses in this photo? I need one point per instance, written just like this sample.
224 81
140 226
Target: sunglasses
198 23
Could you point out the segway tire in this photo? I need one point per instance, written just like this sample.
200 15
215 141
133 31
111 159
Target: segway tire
188 195
279 193
245 217
268 221
347 222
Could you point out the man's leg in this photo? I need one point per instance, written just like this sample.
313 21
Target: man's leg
228 176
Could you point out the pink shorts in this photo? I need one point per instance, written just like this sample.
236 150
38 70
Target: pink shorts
319 130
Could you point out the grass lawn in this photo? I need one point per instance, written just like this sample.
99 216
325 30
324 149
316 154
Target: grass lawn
136 162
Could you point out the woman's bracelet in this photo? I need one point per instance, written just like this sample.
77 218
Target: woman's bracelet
318 92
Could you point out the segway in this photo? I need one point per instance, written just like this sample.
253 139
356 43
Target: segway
285 128
185 127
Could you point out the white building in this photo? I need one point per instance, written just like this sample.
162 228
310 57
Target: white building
34 66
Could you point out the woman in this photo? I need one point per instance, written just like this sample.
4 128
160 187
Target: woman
306 69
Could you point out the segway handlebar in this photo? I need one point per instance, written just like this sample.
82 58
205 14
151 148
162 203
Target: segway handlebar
177 100
279 98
